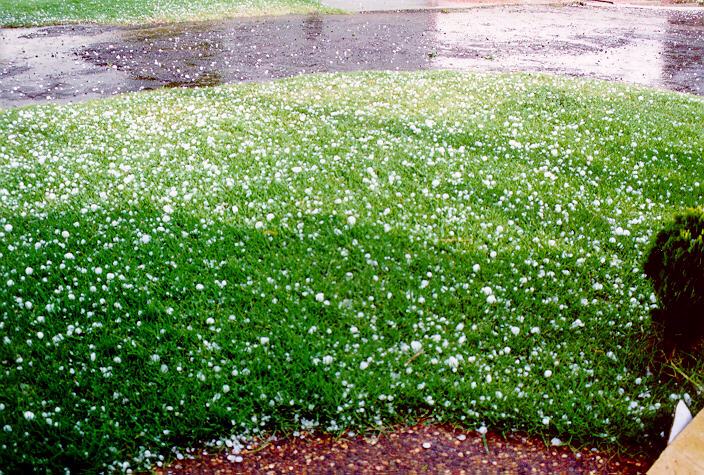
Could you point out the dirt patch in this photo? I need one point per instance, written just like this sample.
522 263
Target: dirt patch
418 449
654 47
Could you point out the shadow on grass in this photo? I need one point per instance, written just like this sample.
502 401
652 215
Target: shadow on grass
216 327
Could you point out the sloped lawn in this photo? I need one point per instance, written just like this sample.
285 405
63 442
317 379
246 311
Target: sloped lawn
334 251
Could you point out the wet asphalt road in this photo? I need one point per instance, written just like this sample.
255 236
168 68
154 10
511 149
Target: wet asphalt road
650 46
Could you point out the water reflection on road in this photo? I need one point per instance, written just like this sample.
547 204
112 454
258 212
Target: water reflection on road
662 48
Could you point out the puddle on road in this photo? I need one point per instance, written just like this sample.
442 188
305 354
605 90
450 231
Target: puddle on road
662 48
390 5
41 65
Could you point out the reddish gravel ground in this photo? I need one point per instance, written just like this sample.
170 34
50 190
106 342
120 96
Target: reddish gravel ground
417 449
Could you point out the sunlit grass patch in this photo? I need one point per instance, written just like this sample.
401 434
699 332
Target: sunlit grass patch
334 251
50 12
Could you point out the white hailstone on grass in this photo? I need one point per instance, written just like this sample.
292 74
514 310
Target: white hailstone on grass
491 299
320 297
416 346
65 234
264 340
577 324
452 362
515 330
351 220
98 270
482 430
29 271
40 335
270 216
8 228
354 330
155 358
210 321
363 365
29 415
546 420
146 238
547 373
476 268
225 388
327 360
163 368
200 286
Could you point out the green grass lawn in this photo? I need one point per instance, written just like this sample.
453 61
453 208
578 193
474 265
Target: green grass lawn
335 251
49 12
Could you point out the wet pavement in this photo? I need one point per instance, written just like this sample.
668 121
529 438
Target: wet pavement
397 5
651 46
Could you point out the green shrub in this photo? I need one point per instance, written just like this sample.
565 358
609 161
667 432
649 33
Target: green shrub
676 266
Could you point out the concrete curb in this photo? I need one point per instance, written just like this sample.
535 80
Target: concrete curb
685 455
